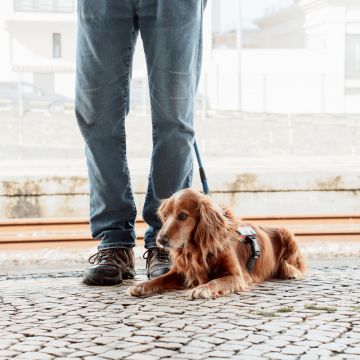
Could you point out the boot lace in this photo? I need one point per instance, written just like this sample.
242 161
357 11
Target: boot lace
158 254
111 257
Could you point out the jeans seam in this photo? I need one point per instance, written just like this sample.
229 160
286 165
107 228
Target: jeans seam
198 55
130 49
91 194
154 138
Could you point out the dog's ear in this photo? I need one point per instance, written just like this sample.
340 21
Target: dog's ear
163 210
213 227
228 213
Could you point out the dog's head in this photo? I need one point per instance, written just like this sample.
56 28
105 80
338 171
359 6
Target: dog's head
192 220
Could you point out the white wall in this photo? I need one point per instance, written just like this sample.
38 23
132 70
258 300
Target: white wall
26 39
33 41
279 80
6 73
303 68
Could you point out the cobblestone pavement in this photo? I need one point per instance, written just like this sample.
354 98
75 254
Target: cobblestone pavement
47 317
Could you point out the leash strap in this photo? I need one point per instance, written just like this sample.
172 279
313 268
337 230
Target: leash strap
203 177
249 234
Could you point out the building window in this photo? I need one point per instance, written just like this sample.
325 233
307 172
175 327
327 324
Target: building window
353 56
57 6
56 45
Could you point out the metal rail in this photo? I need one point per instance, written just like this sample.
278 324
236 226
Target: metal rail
68 232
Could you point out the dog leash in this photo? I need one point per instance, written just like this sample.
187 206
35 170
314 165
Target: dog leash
203 177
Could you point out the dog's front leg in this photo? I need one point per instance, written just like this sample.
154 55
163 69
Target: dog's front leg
225 285
168 281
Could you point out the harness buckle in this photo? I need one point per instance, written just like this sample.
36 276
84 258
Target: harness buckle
255 252
250 238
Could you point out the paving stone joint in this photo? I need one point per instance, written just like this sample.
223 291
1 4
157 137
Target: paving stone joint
54 316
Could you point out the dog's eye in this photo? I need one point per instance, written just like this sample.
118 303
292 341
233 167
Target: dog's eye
182 216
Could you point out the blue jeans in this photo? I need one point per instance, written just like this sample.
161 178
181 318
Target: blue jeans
171 31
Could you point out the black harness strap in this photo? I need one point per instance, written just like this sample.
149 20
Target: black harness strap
249 235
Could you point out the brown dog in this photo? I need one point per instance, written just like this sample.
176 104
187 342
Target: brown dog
209 257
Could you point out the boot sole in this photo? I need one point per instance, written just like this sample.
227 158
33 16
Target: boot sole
128 273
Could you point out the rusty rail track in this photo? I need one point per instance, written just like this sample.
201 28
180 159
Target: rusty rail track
70 232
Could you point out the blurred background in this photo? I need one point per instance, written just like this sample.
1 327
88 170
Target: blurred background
277 122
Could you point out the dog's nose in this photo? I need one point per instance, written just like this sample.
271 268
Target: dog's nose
163 240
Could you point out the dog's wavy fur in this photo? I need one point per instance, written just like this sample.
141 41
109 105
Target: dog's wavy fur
212 259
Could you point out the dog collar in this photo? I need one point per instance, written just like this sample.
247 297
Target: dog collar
249 236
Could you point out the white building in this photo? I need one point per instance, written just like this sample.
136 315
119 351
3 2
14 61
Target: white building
38 46
37 42
303 57
328 26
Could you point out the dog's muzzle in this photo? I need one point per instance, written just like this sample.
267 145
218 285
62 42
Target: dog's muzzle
163 241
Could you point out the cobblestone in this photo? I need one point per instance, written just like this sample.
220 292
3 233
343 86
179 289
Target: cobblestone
54 317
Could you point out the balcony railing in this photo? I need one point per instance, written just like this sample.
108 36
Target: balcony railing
44 6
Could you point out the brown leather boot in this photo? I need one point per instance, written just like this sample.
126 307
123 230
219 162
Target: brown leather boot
110 267
157 262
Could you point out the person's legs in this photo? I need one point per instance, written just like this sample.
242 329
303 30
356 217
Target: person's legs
107 31
171 31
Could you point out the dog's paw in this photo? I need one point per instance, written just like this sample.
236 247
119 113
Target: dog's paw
294 273
137 290
298 275
201 292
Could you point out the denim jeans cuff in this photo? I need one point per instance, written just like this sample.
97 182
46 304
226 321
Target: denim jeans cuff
150 244
150 237
115 245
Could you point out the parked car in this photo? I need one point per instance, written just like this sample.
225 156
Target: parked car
33 97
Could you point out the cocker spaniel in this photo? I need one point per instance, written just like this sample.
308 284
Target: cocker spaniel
210 257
